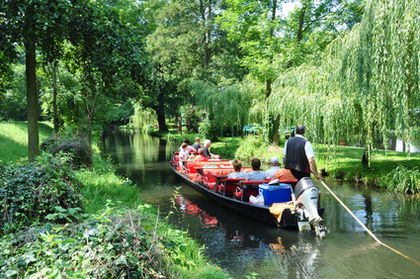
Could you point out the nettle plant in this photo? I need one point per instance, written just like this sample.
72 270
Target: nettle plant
43 191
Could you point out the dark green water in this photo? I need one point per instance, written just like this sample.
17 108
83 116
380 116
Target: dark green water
242 246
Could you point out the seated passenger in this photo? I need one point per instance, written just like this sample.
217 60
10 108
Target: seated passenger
197 144
206 151
275 167
238 174
190 148
183 154
257 174
200 157
285 175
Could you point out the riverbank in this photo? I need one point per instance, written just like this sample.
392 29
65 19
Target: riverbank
113 230
393 171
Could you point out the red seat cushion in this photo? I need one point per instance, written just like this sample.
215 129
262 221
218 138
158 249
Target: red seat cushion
211 185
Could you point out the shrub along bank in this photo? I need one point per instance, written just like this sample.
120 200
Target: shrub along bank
96 229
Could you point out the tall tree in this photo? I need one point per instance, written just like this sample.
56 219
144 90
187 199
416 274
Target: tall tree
31 24
255 25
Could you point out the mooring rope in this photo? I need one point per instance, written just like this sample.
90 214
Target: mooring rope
366 229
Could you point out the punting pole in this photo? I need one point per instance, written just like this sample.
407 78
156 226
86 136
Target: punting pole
366 229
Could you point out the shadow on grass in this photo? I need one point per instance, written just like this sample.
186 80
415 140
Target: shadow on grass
11 150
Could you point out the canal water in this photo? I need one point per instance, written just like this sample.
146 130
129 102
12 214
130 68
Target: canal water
244 248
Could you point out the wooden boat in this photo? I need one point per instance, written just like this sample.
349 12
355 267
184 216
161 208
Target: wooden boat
257 212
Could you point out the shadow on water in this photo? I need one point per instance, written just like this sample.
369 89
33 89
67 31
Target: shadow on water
242 246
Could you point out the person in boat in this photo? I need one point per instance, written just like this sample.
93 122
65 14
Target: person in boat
183 154
256 174
206 149
275 167
189 148
197 144
200 157
300 156
237 174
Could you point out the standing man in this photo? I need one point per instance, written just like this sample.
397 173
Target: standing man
299 155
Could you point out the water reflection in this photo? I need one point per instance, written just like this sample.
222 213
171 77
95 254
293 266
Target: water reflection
188 207
241 246
248 244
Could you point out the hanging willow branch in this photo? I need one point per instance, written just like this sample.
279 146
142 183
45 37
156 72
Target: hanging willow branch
367 84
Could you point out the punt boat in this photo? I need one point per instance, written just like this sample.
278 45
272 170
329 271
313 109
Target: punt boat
197 176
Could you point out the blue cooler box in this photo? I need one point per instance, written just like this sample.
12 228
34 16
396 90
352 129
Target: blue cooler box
275 193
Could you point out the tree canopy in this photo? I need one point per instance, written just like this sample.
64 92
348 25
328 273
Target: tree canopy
348 69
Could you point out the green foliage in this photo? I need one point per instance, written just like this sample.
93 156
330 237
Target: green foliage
143 119
13 101
366 84
80 152
403 180
226 105
102 186
44 190
192 116
114 240
252 146
114 244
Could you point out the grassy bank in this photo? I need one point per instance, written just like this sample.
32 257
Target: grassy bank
115 236
14 140
102 188
394 171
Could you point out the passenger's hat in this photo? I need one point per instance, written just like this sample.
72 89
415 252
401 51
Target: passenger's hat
274 160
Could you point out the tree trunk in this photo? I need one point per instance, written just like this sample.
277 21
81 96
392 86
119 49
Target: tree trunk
179 122
160 112
56 120
31 90
206 11
301 22
276 126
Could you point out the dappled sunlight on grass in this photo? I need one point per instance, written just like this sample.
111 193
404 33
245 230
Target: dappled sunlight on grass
14 139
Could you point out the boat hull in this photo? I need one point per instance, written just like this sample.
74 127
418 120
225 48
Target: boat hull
256 212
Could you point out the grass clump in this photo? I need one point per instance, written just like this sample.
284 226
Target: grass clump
102 186
404 180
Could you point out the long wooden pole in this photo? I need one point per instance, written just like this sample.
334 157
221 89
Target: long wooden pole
366 229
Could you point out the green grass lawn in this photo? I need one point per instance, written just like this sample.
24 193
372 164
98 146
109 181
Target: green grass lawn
14 140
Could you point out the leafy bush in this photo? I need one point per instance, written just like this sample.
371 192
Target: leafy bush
252 146
44 190
403 180
115 244
79 151
50 143
208 129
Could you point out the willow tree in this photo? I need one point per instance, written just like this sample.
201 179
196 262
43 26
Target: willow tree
367 85
226 105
